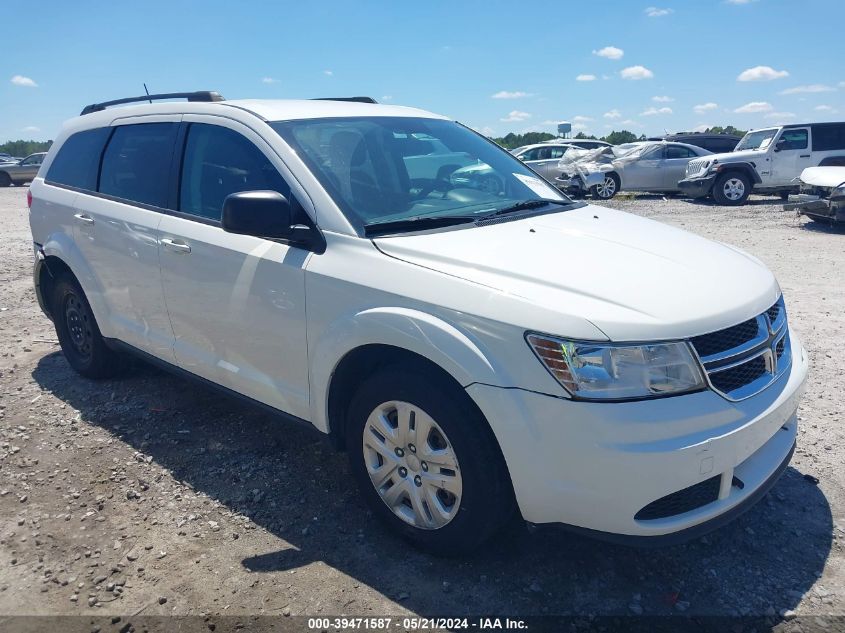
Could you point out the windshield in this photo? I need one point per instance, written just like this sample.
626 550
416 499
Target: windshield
756 140
389 169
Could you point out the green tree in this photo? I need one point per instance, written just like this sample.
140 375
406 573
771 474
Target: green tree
617 138
25 148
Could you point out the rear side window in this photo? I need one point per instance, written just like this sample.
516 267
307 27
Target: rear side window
676 151
219 161
78 160
136 164
829 137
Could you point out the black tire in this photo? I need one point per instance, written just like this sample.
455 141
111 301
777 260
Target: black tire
784 195
486 502
732 181
609 189
5 179
79 336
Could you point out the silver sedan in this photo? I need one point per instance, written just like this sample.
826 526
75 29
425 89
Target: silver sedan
656 167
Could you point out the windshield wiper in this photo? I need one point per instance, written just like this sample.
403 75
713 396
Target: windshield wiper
525 205
418 223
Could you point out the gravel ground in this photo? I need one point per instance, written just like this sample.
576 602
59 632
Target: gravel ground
149 493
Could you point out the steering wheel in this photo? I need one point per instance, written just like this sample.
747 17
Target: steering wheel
425 186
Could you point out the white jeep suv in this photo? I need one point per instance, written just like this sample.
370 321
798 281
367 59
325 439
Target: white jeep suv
477 354
767 161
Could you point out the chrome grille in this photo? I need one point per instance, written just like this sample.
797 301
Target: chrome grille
744 359
695 166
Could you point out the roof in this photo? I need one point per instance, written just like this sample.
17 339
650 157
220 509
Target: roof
286 109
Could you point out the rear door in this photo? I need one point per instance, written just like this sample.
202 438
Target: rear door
546 164
790 156
674 165
117 229
236 302
644 173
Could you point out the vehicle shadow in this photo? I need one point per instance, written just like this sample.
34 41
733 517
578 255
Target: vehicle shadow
753 202
760 564
824 227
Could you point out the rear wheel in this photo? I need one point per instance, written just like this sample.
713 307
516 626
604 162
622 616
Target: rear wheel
607 189
5 179
426 460
78 333
732 188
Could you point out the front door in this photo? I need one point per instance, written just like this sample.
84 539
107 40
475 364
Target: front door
790 156
236 302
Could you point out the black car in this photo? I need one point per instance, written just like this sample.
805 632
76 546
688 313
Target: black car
716 143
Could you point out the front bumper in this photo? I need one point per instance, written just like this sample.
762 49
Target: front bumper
817 207
697 187
596 465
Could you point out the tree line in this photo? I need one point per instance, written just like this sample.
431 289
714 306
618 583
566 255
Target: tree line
511 141
24 148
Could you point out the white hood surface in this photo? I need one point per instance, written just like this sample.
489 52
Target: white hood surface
823 176
633 278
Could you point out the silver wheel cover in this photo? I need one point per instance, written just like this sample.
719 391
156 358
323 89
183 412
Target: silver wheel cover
733 189
412 465
607 188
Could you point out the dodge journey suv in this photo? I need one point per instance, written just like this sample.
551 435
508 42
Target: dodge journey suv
479 355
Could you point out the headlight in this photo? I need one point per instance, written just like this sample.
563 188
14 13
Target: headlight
604 371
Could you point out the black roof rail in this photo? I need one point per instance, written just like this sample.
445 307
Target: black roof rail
355 99
200 95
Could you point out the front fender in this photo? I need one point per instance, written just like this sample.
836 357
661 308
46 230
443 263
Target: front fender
63 247
452 349
745 167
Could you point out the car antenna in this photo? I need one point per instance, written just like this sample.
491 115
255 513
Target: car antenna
147 91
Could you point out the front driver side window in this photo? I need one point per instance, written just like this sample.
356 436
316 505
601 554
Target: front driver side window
793 139
217 162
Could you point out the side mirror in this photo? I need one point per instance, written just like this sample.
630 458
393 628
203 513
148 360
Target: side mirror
781 144
258 213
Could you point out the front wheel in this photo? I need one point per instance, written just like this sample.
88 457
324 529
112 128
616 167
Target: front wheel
607 189
732 189
426 460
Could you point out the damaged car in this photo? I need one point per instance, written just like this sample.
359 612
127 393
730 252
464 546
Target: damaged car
822 196
647 166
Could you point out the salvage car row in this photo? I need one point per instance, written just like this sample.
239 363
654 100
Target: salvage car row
766 161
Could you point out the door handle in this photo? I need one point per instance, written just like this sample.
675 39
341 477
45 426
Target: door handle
84 219
804 156
175 246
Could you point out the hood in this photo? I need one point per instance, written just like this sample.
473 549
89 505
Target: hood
824 176
633 278
749 155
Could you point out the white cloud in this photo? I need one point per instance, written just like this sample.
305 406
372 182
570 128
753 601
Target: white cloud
612 114
516 115
579 127
581 119
842 84
654 12
701 108
610 52
812 88
328 73
630 122
636 72
31 128
825 108
585 78
387 98
663 99
26 82
269 80
740 1
780 116
754 107
550 122
504 94
761 73
485 131
654 111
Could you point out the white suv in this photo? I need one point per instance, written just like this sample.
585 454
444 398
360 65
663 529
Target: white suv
765 161
476 354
